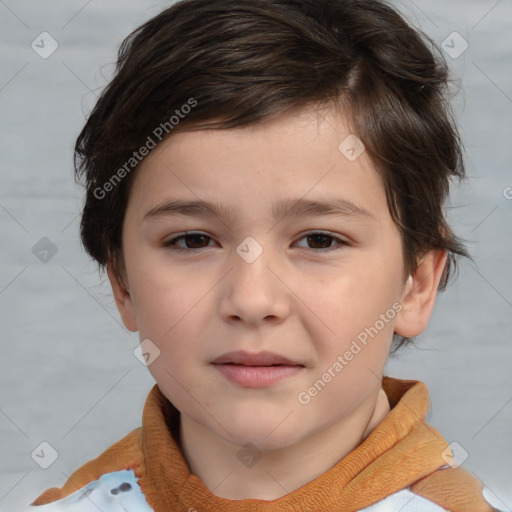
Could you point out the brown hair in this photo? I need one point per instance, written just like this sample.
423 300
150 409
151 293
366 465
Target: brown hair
237 62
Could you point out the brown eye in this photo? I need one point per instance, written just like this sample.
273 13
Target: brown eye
319 240
192 241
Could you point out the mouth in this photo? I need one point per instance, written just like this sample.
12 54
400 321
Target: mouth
256 370
259 365
263 359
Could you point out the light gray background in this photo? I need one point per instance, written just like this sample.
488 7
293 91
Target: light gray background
68 375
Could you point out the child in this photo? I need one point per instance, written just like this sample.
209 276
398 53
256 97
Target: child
309 145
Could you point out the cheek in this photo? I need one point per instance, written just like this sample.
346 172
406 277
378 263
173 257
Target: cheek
172 311
351 296
172 320
356 306
162 296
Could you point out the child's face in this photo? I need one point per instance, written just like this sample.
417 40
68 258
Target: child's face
297 299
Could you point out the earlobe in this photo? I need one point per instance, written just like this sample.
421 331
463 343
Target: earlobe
419 294
123 298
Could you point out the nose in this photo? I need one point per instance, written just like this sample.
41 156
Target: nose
255 292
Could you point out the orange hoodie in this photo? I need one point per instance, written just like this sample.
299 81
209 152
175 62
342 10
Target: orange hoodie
399 466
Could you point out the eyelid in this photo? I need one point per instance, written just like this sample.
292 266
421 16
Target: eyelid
170 243
342 241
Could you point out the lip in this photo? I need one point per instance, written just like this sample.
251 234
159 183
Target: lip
257 370
256 359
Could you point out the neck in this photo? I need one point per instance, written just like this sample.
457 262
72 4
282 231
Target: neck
279 471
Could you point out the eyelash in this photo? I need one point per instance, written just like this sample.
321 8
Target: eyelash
171 244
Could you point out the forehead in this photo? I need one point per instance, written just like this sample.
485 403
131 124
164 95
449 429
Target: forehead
285 165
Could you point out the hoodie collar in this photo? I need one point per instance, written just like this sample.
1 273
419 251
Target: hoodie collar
402 449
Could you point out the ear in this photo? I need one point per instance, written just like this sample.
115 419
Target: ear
419 294
123 299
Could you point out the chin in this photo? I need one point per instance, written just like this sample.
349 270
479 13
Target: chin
263 434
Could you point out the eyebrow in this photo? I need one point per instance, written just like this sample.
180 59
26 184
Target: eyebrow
284 209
